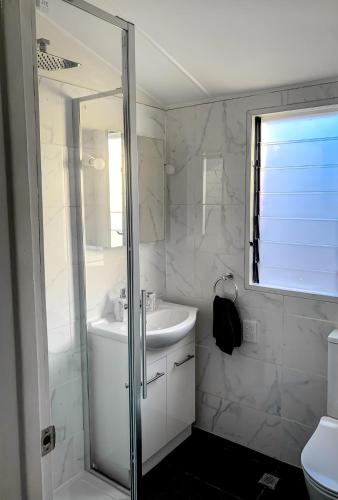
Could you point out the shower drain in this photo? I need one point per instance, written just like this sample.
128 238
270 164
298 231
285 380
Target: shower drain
269 480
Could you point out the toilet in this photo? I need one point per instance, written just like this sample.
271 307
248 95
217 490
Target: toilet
320 455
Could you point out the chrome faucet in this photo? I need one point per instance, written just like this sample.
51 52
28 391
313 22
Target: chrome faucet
124 304
150 300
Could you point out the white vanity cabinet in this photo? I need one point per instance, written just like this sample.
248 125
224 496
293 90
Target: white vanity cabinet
154 410
167 412
180 389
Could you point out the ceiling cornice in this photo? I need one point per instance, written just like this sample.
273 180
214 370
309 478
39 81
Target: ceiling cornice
251 93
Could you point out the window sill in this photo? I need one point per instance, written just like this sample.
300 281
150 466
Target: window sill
290 293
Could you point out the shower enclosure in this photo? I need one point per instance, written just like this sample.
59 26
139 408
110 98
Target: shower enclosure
90 196
88 215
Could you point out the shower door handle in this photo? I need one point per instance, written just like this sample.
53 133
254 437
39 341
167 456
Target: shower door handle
144 342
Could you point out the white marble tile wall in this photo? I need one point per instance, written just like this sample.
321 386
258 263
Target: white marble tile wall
151 188
64 343
268 396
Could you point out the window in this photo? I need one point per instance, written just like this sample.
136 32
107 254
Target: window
294 204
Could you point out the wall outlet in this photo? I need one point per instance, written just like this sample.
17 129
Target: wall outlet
250 331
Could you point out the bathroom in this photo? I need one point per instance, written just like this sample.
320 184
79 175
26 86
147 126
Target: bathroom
158 197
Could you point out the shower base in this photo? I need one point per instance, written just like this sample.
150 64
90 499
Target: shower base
86 486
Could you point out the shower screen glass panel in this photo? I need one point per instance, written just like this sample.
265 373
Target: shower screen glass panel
87 120
103 197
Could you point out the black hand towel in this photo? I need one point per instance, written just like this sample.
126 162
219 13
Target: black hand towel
227 325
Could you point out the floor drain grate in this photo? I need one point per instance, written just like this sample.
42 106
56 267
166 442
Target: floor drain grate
269 480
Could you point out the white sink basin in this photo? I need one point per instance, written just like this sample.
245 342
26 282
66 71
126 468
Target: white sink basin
169 324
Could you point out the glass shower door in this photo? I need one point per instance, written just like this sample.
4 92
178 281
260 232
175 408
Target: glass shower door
110 279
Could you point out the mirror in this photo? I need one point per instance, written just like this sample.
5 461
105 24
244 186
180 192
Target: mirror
102 184
103 188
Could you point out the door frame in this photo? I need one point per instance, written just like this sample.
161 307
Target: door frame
22 152
10 460
23 158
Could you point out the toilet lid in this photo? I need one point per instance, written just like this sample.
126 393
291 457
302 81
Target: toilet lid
320 455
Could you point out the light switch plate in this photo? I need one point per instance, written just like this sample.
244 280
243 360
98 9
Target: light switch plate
250 331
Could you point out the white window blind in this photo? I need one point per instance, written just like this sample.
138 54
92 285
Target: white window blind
298 201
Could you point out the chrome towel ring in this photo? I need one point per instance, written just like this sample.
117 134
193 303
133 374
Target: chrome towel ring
226 277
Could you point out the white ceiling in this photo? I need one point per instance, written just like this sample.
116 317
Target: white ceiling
190 50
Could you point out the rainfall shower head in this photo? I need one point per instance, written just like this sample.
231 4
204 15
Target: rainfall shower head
49 62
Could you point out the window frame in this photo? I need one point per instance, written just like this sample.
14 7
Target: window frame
250 197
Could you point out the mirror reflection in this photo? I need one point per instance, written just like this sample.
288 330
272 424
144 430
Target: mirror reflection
103 179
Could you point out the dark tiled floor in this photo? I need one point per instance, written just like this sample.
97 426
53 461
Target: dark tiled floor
206 467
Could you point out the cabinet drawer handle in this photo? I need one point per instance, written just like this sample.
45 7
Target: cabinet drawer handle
151 380
188 358
155 377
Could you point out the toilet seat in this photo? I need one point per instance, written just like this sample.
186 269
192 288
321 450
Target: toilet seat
320 456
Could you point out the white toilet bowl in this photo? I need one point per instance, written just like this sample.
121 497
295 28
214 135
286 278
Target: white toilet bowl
316 492
320 454
320 461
